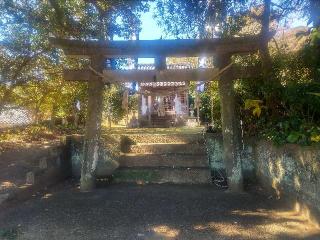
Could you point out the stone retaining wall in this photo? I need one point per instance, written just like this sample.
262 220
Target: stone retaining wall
25 170
289 171
293 172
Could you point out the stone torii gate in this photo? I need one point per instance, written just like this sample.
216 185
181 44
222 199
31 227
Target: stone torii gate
97 76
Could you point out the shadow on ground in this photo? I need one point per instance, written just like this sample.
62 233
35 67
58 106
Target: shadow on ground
153 212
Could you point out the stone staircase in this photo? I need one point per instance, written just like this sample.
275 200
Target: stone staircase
164 158
162 122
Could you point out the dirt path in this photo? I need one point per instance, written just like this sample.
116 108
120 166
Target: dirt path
153 212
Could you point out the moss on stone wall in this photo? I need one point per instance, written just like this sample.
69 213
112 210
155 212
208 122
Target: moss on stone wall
214 144
109 152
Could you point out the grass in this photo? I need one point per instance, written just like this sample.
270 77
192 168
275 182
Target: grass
136 176
180 130
43 134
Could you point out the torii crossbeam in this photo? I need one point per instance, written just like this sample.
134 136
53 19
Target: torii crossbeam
157 48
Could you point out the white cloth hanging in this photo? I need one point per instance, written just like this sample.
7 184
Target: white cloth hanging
177 105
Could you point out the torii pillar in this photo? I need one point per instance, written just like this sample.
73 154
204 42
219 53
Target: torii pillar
93 126
230 126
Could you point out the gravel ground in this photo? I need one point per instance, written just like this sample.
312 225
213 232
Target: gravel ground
152 212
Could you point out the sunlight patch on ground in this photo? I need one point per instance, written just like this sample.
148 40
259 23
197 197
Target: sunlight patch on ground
272 224
25 186
47 195
166 231
6 185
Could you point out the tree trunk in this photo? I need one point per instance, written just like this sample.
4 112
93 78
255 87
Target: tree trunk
110 121
265 28
230 128
36 117
264 49
93 128
268 75
4 98
53 114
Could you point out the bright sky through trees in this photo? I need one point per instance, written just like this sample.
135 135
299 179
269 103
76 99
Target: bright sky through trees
151 31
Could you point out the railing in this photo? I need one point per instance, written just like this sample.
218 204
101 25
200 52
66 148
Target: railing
146 67
180 66
169 66
162 84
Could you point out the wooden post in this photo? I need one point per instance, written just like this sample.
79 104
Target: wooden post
139 104
187 98
230 127
198 107
93 127
149 102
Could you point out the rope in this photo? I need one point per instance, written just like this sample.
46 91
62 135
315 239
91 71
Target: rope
96 72
197 85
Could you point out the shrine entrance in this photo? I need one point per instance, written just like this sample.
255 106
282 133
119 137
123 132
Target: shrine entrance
156 102
163 104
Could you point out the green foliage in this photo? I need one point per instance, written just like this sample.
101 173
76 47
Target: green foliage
113 103
292 130
31 69
38 132
191 19
316 94
133 102
292 114
210 105
225 18
210 102
285 108
205 108
29 133
254 105
311 53
49 99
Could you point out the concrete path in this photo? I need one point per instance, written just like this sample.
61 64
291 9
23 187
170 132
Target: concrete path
152 212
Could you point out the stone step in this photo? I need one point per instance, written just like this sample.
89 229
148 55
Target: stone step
163 138
163 175
163 160
157 148
161 125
